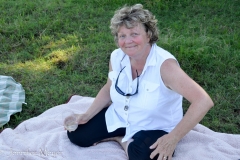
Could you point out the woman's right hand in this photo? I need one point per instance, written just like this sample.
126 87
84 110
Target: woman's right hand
82 118
73 120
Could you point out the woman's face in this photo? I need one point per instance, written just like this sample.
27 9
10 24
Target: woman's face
134 41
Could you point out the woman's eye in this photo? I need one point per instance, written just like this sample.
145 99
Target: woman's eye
134 34
121 36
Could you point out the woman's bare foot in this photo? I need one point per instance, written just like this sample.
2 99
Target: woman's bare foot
119 140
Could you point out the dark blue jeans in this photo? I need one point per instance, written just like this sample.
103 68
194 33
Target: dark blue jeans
96 130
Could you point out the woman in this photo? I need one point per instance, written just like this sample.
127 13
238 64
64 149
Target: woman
140 106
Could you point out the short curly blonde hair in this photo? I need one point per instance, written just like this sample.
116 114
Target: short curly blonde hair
131 16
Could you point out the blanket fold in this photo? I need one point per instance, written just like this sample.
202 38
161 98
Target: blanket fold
44 137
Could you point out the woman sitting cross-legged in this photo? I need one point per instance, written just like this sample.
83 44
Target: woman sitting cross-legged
140 106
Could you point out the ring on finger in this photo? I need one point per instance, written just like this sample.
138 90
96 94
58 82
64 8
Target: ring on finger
165 157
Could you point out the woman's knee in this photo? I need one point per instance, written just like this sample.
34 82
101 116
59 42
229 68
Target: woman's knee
78 139
138 150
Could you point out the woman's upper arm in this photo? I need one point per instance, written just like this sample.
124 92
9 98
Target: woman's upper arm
176 79
109 82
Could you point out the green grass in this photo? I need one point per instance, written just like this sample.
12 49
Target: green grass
56 48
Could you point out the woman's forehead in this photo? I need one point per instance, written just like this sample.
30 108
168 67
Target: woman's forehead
137 26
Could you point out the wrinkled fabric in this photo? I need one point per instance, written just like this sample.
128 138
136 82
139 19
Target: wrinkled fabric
44 137
12 96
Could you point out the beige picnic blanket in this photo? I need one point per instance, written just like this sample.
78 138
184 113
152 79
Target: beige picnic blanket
43 137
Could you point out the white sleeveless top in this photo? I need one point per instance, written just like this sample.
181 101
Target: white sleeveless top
154 107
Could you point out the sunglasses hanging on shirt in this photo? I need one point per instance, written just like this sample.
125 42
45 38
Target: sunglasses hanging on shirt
120 91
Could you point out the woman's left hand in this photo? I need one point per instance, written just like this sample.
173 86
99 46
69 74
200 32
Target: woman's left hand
164 147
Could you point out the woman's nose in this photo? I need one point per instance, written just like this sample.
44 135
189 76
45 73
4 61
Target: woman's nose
128 39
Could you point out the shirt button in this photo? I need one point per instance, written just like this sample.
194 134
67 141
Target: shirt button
126 108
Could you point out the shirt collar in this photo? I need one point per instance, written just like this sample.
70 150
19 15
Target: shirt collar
151 59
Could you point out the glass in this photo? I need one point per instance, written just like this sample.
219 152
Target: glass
70 120
120 91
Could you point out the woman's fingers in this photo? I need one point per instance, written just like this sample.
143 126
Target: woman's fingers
163 147
154 145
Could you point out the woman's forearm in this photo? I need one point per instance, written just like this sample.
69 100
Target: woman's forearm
193 116
101 101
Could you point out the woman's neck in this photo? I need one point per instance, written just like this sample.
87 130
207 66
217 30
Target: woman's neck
137 65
